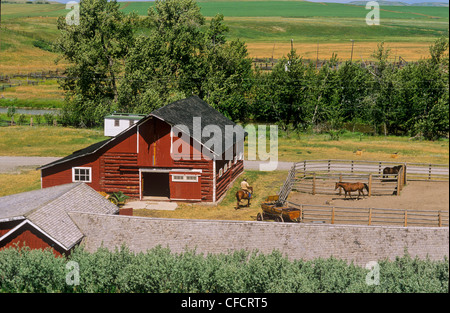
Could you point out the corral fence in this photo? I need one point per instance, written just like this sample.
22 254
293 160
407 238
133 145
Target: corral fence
15 80
325 183
371 216
412 171
319 176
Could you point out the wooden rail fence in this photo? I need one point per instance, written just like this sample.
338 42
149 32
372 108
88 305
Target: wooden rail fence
371 216
320 176
413 171
324 183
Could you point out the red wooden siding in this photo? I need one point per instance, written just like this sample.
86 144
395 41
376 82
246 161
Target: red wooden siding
62 173
116 167
7 226
32 238
224 182
119 172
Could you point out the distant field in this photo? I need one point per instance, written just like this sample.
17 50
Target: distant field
299 9
266 26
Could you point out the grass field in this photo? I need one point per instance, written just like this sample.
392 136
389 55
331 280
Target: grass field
266 26
61 141
45 140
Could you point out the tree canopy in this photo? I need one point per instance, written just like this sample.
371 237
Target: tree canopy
126 63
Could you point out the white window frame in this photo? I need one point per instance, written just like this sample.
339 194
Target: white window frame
184 178
116 123
82 168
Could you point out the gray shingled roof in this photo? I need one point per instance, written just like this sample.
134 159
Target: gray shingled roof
47 209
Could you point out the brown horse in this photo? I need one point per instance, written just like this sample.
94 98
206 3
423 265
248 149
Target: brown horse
349 187
242 195
391 170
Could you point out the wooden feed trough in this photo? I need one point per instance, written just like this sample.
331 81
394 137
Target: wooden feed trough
272 209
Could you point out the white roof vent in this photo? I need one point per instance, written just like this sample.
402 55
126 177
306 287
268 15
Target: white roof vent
118 122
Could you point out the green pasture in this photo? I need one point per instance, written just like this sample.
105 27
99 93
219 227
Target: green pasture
299 9
28 29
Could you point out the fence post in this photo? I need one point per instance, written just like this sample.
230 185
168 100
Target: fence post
332 215
328 166
405 181
439 219
398 184
429 172
406 218
314 183
340 180
31 121
370 216
370 185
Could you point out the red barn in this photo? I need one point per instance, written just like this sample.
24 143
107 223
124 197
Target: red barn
185 151
39 219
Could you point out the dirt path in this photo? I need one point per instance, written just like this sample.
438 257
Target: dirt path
416 195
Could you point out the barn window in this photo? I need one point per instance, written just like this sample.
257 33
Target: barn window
116 123
185 178
225 168
81 174
220 172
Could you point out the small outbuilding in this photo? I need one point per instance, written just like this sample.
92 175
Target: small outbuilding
185 151
39 219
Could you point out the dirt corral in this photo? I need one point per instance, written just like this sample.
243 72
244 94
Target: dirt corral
416 195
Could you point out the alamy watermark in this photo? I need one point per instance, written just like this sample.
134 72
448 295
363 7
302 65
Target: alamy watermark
373 17
373 277
73 17
216 143
73 273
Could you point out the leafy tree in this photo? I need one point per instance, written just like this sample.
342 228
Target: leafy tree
95 50
226 72
162 65
287 87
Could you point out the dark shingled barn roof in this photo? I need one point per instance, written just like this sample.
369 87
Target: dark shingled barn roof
180 112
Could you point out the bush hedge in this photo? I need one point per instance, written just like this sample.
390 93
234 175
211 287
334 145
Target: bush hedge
160 271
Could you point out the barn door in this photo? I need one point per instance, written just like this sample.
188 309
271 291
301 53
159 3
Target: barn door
155 185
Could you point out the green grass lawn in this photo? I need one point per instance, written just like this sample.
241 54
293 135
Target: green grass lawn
46 140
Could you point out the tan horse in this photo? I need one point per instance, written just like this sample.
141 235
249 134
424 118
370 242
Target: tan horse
350 187
242 195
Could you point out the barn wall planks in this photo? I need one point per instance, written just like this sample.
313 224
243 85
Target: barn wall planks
360 244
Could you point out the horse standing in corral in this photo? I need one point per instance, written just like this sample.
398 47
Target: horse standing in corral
350 187
242 195
391 170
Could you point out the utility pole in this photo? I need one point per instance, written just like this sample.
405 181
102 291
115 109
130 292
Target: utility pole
351 57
